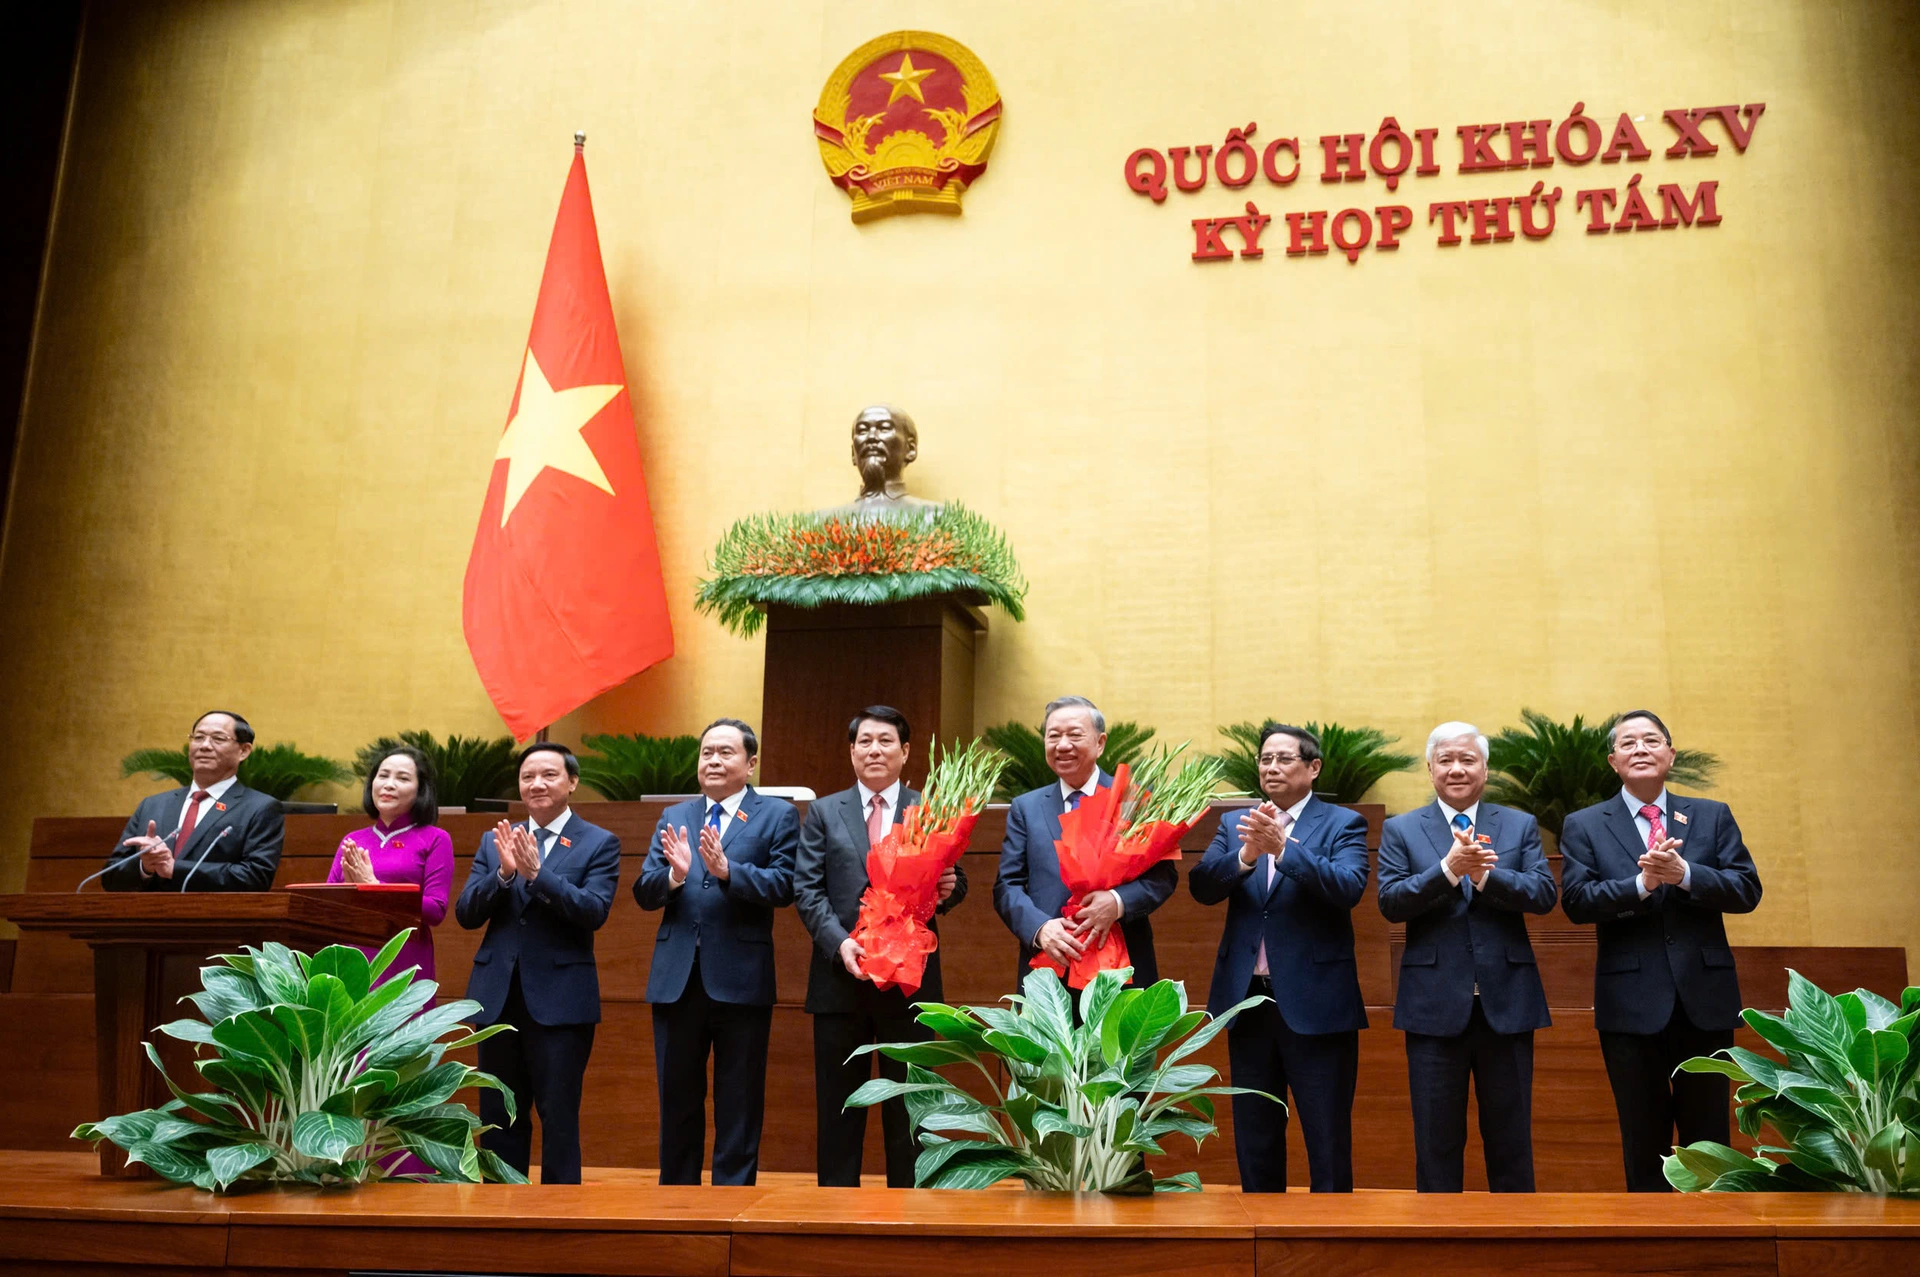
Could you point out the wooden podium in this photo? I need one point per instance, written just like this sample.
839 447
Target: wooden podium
824 664
148 949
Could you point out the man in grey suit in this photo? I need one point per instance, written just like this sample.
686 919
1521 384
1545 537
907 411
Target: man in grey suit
829 877
212 835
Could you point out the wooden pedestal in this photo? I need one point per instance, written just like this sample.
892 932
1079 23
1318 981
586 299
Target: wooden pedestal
825 664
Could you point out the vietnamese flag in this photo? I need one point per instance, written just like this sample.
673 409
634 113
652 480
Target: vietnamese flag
564 598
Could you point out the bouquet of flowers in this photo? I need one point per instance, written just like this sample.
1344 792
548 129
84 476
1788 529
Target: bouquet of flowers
904 871
1118 833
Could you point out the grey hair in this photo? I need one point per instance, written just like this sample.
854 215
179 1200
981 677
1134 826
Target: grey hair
1075 702
1454 731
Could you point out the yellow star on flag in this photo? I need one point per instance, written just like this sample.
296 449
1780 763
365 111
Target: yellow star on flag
906 81
545 434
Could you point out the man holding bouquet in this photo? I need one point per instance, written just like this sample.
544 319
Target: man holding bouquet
829 878
1030 895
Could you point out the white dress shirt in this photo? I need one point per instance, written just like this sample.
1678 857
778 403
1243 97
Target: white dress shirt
1472 814
213 794
889 804
729 807
1645 827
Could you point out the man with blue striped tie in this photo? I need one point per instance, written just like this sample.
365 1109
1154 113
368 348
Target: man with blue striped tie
1461 873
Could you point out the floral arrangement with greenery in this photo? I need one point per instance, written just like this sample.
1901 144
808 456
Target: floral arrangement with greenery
813 560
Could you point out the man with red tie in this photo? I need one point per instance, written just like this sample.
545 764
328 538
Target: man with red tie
212 835
1656 873
1029 895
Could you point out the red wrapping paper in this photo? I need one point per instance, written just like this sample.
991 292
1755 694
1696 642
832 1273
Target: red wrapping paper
1098 852
903 890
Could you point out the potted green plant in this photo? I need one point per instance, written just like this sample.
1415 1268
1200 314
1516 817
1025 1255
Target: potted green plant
626 768
465 768
278 771
1844 1104
1550 769
1027 754
1082 1108
321 1074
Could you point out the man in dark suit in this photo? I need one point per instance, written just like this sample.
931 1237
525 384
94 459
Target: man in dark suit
1656 873
1291 870
541 888
829 877
719 865
212 835
1028 893
1460 873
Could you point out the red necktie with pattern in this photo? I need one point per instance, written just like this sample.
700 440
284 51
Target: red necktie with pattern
1656 832
187 820
876 820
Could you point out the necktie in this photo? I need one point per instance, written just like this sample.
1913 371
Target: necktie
1461 823
187 820
1656 831
1273 871
1073 800
713 817
876 820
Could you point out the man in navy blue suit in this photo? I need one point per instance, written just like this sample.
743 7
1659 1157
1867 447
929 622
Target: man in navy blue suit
1291 870
1460 874
1028 893
719 865
541 889
1656 873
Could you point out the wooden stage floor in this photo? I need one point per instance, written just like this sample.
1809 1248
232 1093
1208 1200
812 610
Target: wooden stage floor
57 1216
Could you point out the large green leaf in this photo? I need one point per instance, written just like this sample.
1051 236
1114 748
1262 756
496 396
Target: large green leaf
327 1136
1876 1055
225 993
230 1161
1145 1020
189 1031
876 1090
306 1030
1184 1182
976 1122
386 1008
424 1092
1097 998
387 952
1211 1029
254 1033
347 965
1049 1122
1050 1006
928 1054
328 994
951 1024
170 1163
126 1129
1777 1032
496 1171
970 1169
210 1104
1815 1016
1018 1047
280 974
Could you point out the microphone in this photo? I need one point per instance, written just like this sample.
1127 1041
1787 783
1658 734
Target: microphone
203 857
124 860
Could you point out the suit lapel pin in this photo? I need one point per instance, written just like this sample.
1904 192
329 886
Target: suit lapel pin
1486 839
1680 817
741 815
568 842
219 806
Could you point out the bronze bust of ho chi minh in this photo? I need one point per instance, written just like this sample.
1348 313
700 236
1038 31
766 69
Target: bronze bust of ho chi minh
885 443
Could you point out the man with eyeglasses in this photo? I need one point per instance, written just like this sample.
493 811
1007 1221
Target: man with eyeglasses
1291 870
212 835
1029 895
719 865
1656 874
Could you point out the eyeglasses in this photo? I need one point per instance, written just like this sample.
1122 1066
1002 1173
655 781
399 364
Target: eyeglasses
1278 760
210 738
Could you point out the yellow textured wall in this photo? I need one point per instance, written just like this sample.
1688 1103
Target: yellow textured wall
297 247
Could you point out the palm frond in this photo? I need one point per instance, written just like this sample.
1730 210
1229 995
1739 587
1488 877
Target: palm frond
161 764
1027 754
626 768
465 768
1551 769
1353 759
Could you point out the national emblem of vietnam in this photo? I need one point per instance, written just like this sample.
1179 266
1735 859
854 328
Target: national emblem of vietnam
905 123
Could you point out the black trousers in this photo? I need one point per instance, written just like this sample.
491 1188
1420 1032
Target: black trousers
1501 1066
544 1066
684 1032
1654 1102
1320 1069
840 1132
